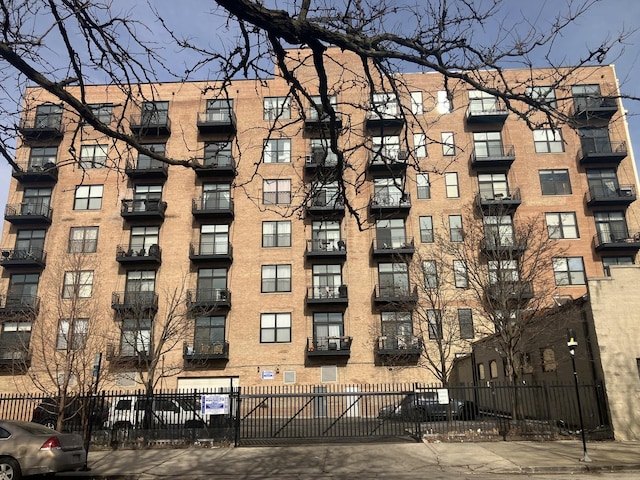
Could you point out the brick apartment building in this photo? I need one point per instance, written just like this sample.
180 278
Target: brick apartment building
282 285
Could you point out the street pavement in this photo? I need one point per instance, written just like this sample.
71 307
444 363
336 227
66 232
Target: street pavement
369 460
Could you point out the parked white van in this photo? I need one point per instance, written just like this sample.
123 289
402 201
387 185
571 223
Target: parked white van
170 411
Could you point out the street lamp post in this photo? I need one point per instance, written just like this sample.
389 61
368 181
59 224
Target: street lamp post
572 343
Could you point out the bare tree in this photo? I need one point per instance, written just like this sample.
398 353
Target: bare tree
100 42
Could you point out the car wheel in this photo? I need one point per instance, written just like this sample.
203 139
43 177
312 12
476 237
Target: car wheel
50 423
9 469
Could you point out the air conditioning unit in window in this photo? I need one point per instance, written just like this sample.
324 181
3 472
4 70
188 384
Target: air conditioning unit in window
403 156
626 191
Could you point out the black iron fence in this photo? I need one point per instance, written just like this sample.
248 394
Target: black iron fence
329 412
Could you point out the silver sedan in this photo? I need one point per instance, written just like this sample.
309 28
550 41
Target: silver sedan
28 448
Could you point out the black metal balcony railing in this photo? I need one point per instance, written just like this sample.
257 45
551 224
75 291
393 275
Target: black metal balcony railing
30 257
514 290
326 248
385 246
134 255
134 301
602 196
148 168
215 350
387 161
493 156
498 200
484 111
329 346
211 252
15 303
15 353
325 203
382 119
399 345
33 172
208 299
212 206
496 245
617 240
22 213
386 204
594 107
150 124
219 166
140 354
318 119
143 209
327 294
594 151
217 121
400 295
42 127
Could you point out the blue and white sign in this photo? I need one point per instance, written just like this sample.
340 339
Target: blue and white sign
268 375
214 404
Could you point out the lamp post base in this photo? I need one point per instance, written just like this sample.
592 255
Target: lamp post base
585 458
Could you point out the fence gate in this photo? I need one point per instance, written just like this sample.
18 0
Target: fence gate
319 413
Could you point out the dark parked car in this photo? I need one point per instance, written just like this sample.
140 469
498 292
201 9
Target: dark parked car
426 405
46 413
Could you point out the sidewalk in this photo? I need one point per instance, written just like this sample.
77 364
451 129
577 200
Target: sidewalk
363 460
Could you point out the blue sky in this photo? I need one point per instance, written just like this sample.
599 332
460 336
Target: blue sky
604 19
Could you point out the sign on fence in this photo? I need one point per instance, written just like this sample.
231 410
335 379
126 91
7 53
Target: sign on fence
214 404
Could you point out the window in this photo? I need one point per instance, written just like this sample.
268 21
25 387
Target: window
325 236
420 145
448 144
586 97
434 320
397 331
277 151
140 287
317 112
384 105
276 192
608 261
481 372
488 145
416 103
387 191
424 187
465 321
328 331
29 244
216 196
35 201
451 185
595 140
503 271
145 162
391 233
603 183
77 284
544 95
482 102
42 157
498 231
455 228
611 227
146 198
430 273
394 279
275 328
214 239
327 280
385 149
548 140
72 334
493 186
569 271
460 274
83 239
48 116
219 111
548 357
325 194
209 332
277 108
93 156
321 153
155 113
212 285
135 337
426 229
562 225
14 339
218 154
444 104
22 290
493 369
276 278
102 111
555 182
143 239
88 197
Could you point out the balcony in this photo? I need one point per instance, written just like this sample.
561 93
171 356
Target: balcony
134 302
601 153
143 210
127 355
212 208
382 120
204 352
499 203
35 173
327 295
152 124
486 111
320 160
514 290
208 300
139 257
219 166
325 204
399 349
221 121
494 246
329 346
392 246
621 241
28 213
19 304
400 295
147 169
30 258
495 158
42 127
318 121
390 205
15 353
388 162
330 249
594 108
221 252
599 196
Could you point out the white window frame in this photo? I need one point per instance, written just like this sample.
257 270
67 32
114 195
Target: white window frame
88 197
452 188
